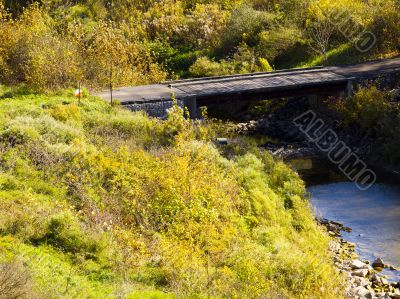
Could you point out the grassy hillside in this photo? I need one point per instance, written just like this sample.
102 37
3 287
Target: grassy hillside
99 202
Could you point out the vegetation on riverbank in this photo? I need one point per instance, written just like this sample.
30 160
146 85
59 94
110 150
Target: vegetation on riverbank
97 201
374 115
57 43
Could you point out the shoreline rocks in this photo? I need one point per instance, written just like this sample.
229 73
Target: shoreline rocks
378 263
362 278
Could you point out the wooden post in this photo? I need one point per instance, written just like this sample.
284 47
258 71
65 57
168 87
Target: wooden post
349 88
111 85
111 60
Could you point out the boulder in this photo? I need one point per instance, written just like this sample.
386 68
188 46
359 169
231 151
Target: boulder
378 263
375 278
347 229
360 272
332 234
334 246
356 264
363 292
360 281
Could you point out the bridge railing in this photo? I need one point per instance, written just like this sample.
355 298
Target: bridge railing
234 76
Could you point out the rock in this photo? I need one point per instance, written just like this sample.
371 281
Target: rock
375 278
338 224
356 264
378 263
352 245
323 221
395 294
384 281
360 281
334 246
347 229
337 259
334 227
370 269
360 272
362 292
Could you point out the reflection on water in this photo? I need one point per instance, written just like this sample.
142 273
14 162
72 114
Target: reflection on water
374 216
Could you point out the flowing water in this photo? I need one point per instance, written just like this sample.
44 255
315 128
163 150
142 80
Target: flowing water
373 215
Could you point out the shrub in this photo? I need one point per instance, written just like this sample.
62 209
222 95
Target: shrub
386 25
64 233
204 67
277 41
35 55
15 281
24 129
366 108
19 133
66 112
206 24
244 25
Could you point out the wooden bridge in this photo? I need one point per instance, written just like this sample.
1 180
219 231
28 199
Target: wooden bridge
228 90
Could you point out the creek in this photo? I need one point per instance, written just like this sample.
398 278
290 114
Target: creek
373 215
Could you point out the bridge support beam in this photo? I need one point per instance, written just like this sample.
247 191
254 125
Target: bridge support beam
350 89
191 105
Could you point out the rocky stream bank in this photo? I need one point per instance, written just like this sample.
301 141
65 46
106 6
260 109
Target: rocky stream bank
363 280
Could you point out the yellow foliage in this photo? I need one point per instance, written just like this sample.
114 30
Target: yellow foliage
66 112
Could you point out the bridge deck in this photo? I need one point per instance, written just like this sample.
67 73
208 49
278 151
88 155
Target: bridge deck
257 82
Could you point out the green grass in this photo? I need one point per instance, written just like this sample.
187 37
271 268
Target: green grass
55 276
341 55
